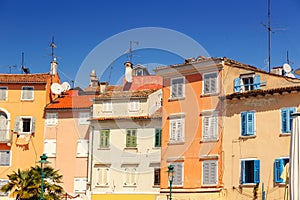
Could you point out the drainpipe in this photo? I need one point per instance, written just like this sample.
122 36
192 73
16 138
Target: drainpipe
91 157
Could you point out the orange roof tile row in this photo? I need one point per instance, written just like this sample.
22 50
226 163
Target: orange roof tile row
71 100
126 94
24 78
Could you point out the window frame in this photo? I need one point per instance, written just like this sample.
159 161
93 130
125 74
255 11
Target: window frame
6 93
83 118
103 138
288 121
107 106
210 92
50 144
279 170
210 182
157 137
131 141
8 160
51 119
156 177
210 133
83 149
178 136
134 105
239 85
248 128
22 93
18 125
255 172
172 85
181 182
130 173
104 182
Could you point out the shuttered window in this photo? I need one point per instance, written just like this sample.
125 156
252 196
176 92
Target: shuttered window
104 138
3 93
156 176
286 119
247 83
107 106
80 185
250 171
5 158
24 125
210 84
210 172
176 130
178 173
157 139
279 169
210 127
131 137
248 123
83 118
82 148
130 176
102 176
27 93
50 148
51 119
177 87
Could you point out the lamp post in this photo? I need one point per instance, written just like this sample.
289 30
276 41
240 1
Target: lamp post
43 161
171 177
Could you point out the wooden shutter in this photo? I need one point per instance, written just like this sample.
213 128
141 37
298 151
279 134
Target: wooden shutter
256 171
205 127
82 148
290 119
157 142
243 172
244 123
179 130
205 174
173 127
213 83
173 88
284 114
4 158
180 89
237 85
256 82
104 138
102 176
3 93
17 124
278 168
178 173
33 125
213 172
250 123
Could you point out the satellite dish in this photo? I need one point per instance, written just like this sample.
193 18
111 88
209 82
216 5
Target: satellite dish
297 71
65 86
287 68
56 88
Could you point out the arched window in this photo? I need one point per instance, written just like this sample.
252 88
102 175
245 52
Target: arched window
3 126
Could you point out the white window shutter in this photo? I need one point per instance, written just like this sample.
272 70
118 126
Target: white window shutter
82 148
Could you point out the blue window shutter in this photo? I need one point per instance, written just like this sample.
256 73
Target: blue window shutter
237 85
278 168
256 171
243 173
250 123
284 114
244 123
256 82
290 120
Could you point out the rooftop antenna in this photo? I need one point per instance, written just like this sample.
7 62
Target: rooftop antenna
287 57
52 45
130 49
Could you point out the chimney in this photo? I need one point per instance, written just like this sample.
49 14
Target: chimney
277 70
103 87
128 71
94 82
53 67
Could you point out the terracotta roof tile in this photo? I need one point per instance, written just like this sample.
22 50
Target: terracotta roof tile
126 94
71 100
24 78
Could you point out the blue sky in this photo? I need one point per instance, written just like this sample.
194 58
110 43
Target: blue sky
229 28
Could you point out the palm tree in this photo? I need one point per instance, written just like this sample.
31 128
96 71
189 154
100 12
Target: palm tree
26 184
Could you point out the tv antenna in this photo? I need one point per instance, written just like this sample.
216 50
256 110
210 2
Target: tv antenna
10 67
130 49
52 45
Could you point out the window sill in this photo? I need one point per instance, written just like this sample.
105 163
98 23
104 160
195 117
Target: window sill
209 185
248 184
129 186
156 186
51 125
134 149
102 186
156 148
24 133
104 111
281 184
176 98
209 140
247 137
176 143
104 148
27 100
284 134
210 94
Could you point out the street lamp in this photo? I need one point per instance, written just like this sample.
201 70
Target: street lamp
43 161
171 177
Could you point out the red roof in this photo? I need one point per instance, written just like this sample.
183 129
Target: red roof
71 100
24 78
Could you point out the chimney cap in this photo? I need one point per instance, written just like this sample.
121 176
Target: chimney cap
128 64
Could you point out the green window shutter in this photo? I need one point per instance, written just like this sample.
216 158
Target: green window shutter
157 142
131 138
104 138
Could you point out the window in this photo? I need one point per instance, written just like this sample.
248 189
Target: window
83 118
82 148
210 85
248 123
139 72
51 119
4 126
5 158
157 139
210 172
130 176
104 138
131 138
176 130
80 185
3 93
107 106
279 169
210 127
50 148
250 171
178 173
286 119
247 83
177 88
156 176
134 105
102 176
27 93
24 125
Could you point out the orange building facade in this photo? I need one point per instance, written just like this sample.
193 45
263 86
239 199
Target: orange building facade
192 129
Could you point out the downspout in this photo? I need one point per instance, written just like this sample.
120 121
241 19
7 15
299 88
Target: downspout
91 157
